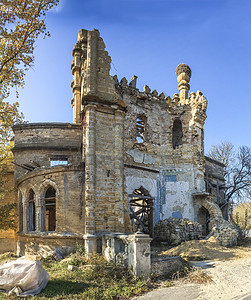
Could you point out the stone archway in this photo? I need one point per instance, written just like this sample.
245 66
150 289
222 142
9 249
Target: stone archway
214 211
206 202
204 220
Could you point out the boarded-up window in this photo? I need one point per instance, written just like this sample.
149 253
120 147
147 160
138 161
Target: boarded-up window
140 128
50 209
32 211
177 133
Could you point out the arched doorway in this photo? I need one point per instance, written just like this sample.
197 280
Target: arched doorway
204 220
141 211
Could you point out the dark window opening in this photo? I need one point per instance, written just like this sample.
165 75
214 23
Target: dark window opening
177 133
204 220
50 209
32 211
140 129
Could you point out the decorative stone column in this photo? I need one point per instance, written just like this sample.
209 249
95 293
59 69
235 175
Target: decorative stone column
40 215
90 169
76 82
90 244
25 216
183 73
139 258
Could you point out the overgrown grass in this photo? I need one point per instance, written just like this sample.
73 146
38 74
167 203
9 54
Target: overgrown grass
7 256
192 275
92 279
95 278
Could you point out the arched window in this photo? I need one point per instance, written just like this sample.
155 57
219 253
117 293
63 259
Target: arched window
177 133
140 128
50 209
32 211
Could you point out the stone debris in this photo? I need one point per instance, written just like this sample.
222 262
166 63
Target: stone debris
174 231
226 233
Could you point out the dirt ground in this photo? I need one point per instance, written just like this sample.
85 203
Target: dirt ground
229 269
209 250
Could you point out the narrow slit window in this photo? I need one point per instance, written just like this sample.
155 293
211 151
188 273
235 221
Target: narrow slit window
177 133
140 129
32 211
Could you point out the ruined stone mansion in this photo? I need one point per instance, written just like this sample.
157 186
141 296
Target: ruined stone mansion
129 159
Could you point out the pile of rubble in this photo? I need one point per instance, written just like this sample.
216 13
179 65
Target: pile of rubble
174 231
226 233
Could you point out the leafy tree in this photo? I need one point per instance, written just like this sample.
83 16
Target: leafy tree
21 22
242 215
237 170
9 115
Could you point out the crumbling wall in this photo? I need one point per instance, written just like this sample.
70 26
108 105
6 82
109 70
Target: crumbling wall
36 144
226 233
174 231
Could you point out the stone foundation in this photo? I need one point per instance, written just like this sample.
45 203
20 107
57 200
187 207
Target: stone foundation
44 244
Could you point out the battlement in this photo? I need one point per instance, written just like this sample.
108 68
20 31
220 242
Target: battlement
92 81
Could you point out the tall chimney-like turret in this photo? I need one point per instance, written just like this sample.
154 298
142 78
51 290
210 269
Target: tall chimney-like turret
183 73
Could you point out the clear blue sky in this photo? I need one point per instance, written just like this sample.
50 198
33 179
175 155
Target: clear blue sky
149 38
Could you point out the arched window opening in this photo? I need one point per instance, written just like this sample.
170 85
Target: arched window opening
50 209
204 219
177 133
32 211
140 128
141 211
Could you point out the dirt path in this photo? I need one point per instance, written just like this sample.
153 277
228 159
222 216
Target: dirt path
231 281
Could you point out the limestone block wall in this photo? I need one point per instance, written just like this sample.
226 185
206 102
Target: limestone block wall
106 209
68 182
36 144
178 172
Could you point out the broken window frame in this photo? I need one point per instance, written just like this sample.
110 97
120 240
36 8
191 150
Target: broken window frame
140 128
50 210
141 210
32 211
59 161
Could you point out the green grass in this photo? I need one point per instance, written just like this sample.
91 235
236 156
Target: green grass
101 280
95 278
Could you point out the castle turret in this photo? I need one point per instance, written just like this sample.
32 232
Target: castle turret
183 73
